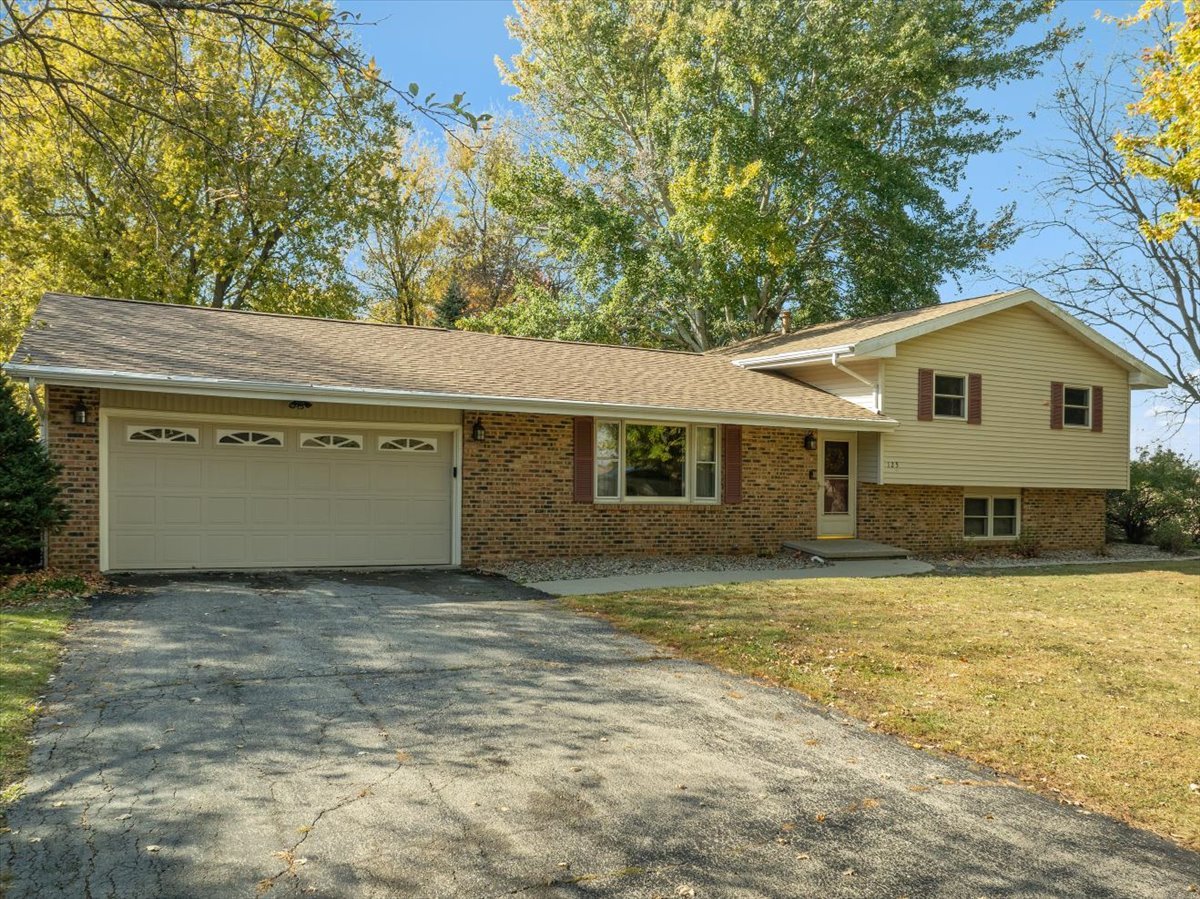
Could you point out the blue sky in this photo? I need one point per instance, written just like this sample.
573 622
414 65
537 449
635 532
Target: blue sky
449 46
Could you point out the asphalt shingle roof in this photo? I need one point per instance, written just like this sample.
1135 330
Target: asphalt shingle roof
164 341
846 332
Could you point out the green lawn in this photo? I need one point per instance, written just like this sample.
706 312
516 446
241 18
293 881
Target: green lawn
1082 682
34 614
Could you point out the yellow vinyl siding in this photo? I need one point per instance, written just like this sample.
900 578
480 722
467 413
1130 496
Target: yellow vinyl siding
1019 353
152 401
832 380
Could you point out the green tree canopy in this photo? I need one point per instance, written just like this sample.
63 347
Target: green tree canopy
709 163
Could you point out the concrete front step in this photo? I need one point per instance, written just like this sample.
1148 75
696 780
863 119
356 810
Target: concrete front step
846 548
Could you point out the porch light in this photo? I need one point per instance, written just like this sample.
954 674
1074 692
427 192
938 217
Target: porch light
810 441
79 413
477 431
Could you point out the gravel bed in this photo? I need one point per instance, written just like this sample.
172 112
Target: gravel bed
572 569
1113 552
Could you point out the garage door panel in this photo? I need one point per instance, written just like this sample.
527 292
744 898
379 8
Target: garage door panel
174 510
211 505
352 512
271 475
226 474
135 472
351 476
181 472
225 510
311 475
268 510
135 511
410 480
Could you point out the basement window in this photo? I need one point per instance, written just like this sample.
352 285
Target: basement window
990 516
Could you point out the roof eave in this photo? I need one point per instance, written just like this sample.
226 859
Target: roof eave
244 389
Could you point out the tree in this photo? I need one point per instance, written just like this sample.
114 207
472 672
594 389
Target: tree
709 164
1168 150
404 254
488 251
451 307
1164 487
43 41
1143 288
29 490
253 204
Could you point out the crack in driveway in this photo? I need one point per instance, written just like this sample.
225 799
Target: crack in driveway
445 735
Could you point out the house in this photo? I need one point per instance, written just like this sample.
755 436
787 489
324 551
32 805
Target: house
196 438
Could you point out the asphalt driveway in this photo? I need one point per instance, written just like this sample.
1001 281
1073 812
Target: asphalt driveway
440 734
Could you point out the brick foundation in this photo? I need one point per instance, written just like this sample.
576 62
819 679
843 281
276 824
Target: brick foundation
517 501
929 519
76 547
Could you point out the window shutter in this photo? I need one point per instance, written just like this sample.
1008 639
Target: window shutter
731 459
585 458
974 399
925 394
1056 405
1097 409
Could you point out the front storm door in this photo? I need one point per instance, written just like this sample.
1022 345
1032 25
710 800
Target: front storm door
836 479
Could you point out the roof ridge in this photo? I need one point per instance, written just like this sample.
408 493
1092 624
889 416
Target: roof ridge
361 321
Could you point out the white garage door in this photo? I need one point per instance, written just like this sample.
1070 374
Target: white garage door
206 495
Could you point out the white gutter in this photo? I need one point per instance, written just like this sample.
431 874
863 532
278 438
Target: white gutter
779 360
833 360
249 389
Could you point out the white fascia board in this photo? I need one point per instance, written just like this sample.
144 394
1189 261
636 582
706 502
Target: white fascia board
420 398
796 357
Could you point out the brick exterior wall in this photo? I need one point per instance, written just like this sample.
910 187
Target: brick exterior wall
517 499
929 519
76 547
1063 519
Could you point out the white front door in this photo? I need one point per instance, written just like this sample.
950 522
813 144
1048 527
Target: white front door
837 475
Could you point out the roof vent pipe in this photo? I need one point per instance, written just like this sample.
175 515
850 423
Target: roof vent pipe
785 321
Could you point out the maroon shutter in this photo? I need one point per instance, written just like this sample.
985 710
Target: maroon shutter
585 458
731 459
925 394
1056 405
974 399
1097 409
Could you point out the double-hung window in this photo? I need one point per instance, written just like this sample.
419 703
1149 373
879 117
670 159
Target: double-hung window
1077 407
655 462
949 396
990 516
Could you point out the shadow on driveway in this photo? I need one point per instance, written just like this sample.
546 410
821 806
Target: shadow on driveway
439 733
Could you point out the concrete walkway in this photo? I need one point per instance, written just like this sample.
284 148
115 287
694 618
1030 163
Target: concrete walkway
650 580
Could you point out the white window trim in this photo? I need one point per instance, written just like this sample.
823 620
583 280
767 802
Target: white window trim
965 395
1087 425
309 435
225 432
991 516
194 433
689 465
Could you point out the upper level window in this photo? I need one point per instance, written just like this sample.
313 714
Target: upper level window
1077 406
638 461
949 396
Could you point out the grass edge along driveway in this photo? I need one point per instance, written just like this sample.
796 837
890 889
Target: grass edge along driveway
1083 682
35 611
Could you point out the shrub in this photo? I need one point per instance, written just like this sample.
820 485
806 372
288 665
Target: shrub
1028 545
29 490
1163 486
1171 537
